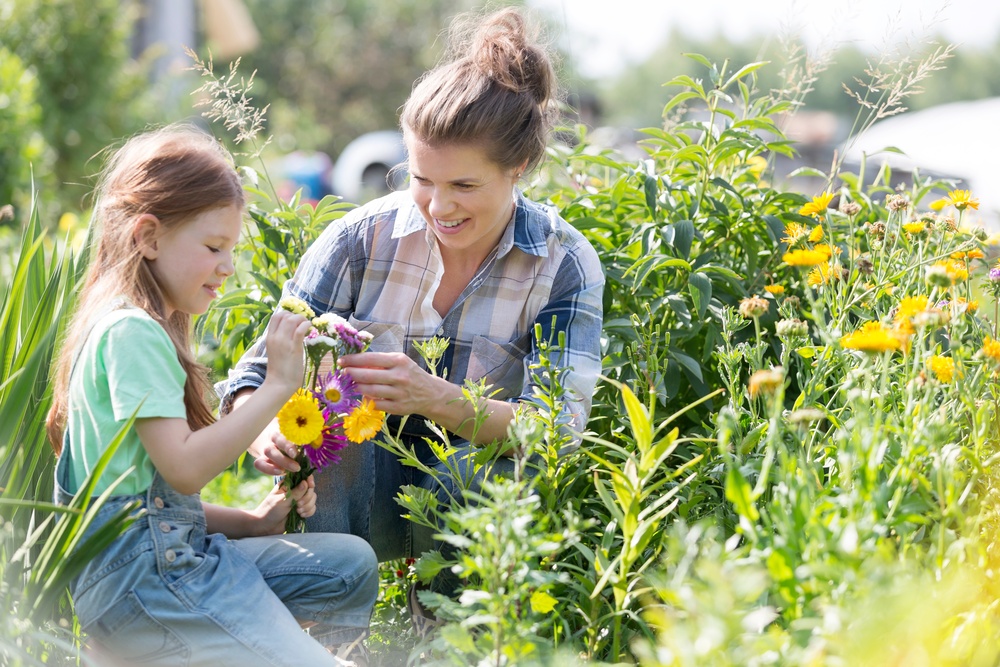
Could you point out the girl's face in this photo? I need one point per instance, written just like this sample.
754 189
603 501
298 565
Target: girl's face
466 198
191 261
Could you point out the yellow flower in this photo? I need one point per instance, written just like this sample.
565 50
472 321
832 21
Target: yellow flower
794 232
296 305
826 250
820 275
805 257
816 235
911 305
963 199
873 337
817 205
939 204
943 368
991 350
776 290
300 419
975 253
363 422
914 228
756 165
67 221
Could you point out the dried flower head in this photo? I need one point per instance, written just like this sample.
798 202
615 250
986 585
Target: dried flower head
897 203
850 208
753 307
766 382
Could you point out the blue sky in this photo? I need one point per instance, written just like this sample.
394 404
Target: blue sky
603 36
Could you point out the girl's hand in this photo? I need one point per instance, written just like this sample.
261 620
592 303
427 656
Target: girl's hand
271 513
285 356
278 456
395 382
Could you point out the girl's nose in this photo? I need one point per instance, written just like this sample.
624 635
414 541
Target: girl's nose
226 266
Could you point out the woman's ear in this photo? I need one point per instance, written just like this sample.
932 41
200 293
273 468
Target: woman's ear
145 233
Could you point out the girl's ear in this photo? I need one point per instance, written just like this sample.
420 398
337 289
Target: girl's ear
145 233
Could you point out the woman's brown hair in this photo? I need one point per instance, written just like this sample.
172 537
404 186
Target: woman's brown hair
173 173
499 94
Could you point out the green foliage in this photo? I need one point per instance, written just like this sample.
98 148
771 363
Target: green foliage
40 555
21 143
85 82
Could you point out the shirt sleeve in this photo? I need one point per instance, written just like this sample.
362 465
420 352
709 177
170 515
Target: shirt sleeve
143 370
323 280
575 308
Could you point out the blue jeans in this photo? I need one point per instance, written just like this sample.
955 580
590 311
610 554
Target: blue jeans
166 593
358 496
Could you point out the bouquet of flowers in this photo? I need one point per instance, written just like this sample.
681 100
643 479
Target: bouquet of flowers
327 413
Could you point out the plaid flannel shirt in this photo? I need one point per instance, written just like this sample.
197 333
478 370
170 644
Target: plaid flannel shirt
379 267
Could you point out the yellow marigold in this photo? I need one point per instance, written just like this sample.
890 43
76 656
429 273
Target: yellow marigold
818 205
820 275
805 257
363 422
872 337
975 253
794 232
914 228
957 272
943 368
301 419
816 235
911 305
776 290
939 204
963 199
991 350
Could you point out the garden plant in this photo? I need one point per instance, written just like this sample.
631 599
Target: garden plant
792 459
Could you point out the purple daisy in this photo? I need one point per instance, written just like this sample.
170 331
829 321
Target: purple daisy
995 275
324 453
338 391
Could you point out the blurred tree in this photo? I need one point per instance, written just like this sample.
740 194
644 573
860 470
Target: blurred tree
87 85
335 69
21 142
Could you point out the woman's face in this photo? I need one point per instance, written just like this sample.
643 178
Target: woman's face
466 198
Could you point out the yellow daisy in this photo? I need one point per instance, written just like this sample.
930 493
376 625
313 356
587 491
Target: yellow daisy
794 232
363 422
943 368
816 235
911 305
820 275
775 290
301 419
939 204
805 257
872 337
991 350
817 205
963 199
914 228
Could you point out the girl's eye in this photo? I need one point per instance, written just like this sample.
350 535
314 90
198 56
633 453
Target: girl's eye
213 249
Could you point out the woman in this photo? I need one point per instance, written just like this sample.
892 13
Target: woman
460 255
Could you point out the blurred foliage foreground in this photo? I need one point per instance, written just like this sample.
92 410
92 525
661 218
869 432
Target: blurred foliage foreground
792 461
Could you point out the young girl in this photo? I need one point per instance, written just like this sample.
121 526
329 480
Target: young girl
173 590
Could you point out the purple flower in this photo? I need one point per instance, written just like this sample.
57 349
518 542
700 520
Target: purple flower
995 275
338 392
323 452
350 337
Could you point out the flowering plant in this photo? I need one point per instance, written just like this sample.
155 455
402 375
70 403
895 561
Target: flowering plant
327 412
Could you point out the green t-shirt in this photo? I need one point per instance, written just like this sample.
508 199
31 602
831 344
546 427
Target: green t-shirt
127 359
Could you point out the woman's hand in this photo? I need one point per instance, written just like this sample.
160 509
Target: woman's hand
396 384
271 513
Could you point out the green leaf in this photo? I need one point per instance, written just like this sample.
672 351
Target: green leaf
700 287
683 237
738 493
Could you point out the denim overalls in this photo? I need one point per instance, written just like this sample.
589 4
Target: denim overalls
165 593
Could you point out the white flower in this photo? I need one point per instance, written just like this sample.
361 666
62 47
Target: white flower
327 321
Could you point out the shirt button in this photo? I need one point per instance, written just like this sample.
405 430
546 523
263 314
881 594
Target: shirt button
158 502
164 526
440 331
170 555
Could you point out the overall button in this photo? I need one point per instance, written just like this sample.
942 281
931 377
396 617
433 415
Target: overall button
170 555
440 331
158 502
164 526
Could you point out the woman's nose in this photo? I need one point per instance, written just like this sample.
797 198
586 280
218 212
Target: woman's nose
439 204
